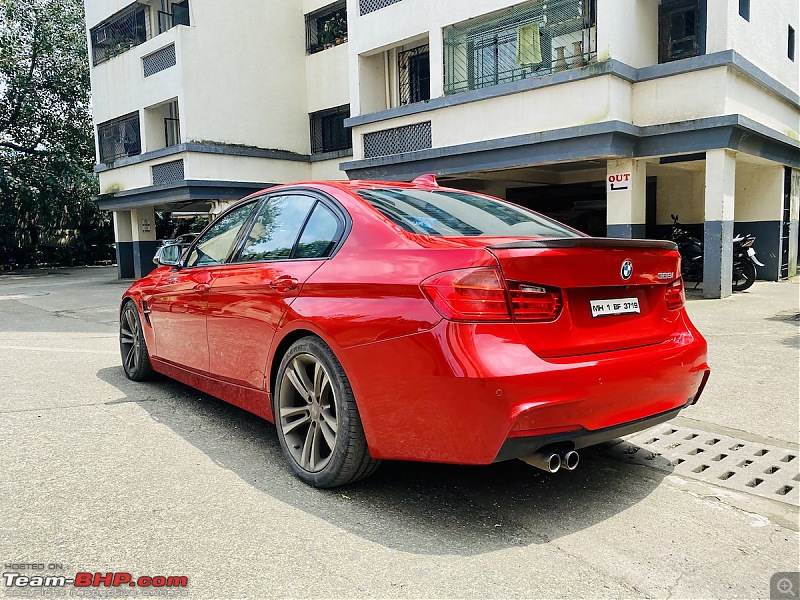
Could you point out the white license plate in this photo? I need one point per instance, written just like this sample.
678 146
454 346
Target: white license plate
614 306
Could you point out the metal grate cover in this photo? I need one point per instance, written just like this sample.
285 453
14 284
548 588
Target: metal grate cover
368 6
159 61
760 469
409 138
168 172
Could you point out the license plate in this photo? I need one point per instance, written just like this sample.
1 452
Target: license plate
614 306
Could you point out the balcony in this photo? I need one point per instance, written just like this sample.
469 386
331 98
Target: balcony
119 138
523 41
326 27
132 26
121 32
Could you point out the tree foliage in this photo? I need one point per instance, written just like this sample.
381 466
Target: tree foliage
46 135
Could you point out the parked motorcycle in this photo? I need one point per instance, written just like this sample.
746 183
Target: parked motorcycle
691 249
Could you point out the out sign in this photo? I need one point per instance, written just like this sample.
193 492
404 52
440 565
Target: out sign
618 182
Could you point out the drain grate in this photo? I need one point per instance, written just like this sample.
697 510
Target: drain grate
754 468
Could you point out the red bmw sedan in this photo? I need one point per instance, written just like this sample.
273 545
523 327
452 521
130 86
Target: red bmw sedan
406 321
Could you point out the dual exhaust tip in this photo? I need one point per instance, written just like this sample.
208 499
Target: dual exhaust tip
551 460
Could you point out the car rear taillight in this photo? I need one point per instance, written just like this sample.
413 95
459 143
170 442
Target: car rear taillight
532 302
675 295
468 294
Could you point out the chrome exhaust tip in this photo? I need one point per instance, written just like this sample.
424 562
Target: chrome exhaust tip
546 461
570 460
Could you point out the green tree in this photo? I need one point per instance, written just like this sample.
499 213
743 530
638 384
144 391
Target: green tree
46 134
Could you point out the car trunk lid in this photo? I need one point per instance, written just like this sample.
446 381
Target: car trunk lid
611 293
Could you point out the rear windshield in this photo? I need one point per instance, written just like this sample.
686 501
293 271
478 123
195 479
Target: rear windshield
448 213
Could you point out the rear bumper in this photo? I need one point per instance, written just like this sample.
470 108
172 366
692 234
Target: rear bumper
575 440
475 394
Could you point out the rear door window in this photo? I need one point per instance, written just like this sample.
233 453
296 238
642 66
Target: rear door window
276 229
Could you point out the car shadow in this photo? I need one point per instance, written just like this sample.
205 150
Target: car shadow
412 507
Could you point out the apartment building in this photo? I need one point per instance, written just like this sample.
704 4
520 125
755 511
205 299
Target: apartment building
611 115
198 103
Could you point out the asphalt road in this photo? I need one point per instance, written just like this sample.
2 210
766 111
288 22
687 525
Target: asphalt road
100 474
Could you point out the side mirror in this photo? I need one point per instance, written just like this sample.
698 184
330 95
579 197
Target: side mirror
168 256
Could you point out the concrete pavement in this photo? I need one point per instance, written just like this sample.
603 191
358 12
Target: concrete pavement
102 474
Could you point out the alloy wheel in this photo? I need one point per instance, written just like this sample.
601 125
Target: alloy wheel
307 412
130 339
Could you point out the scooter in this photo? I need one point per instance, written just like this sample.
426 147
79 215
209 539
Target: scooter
691 249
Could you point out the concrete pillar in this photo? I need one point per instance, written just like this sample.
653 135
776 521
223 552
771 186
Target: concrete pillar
123 236
626 185
143 225
436 59
718 231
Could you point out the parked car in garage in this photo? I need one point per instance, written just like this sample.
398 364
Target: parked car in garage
406 321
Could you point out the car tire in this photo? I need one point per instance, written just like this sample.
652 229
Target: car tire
132 345
317 419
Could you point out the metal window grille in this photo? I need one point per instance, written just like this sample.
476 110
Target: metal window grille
159 61
178 15
678 30
124 30
328 133
522 41
409 138
168 172
327 27
368 6
414 68
118 138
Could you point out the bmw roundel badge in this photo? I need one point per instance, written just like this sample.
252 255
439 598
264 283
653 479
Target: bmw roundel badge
627 270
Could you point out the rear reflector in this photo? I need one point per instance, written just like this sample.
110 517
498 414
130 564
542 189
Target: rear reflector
468 295
533 302
675 295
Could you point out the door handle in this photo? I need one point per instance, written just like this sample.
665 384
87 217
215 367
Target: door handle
202 287
284 284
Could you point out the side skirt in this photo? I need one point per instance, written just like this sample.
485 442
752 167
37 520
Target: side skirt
249 399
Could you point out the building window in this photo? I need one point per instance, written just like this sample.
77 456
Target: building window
679 30
791 43
172 125
414 67
526 40
177 15
326 28
328 133
124 30
744 9
120 137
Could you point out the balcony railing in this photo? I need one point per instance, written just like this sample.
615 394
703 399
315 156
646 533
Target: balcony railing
124 30
523 41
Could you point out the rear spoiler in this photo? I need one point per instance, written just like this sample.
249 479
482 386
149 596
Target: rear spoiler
586 242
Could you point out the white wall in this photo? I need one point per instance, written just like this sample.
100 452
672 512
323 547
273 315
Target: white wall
762 40
627 30
680 97
244 75
682 191
759 192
